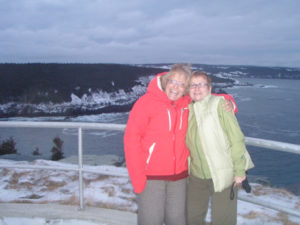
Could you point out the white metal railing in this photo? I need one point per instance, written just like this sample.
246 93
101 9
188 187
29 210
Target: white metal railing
274 145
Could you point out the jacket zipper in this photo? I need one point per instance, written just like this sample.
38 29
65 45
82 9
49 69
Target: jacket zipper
181 115
170 121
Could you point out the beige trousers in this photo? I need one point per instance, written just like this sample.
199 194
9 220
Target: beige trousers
162 202
199 191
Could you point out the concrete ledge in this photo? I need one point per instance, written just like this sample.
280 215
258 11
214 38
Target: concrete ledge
56 211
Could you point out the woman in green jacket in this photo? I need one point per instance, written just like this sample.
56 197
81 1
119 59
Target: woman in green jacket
218 155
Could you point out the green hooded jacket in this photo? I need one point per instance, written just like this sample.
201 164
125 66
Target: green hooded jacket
216 143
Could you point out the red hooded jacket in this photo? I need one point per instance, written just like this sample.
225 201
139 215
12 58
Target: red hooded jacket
154 139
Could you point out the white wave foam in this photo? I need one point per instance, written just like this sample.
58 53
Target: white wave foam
245 99
232 74
270 86
265 86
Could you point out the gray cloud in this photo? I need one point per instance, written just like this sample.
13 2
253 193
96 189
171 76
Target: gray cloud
257 32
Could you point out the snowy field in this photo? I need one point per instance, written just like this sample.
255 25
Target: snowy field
42 221
109 187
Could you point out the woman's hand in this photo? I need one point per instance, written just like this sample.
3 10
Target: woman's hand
238 180
228 105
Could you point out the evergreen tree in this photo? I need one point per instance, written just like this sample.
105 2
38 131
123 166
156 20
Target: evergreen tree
56 150
8 147
36 151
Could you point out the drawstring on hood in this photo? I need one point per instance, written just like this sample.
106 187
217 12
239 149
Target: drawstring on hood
170 121
181 114
181 118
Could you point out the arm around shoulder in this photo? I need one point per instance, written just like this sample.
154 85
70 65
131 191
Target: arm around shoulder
231 99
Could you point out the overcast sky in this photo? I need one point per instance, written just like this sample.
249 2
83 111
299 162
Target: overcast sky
236 32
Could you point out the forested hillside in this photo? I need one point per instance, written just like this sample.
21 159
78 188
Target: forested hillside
37 83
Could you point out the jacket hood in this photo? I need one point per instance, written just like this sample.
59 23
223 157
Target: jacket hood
155 90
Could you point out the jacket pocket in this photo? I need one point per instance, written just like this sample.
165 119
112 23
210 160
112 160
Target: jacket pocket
151 149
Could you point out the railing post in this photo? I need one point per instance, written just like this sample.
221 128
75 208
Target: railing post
80 179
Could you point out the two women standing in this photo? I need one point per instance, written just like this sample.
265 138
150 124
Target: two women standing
155 149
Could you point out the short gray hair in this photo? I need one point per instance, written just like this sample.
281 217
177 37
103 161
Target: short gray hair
203 74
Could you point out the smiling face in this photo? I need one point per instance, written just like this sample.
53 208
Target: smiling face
199 88
175 86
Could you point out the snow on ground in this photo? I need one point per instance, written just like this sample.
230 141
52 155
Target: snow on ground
110 187
43 221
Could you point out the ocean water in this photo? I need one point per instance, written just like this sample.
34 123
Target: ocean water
268 108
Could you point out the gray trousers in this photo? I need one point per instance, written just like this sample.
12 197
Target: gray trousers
162 202
224 210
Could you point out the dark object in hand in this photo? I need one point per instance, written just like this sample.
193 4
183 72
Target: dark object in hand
246 186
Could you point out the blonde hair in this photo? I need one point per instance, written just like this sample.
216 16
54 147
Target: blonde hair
176 69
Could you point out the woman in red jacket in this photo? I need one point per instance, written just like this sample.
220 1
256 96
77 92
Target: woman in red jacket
155 150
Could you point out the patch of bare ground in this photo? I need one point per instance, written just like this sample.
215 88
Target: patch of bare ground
99 177
297 205
4 172
74 177
255 215
262 190
16 183
126 190
13 182
131 199
73 200
110 191
252 215
53 185
33 196
28 201
282 217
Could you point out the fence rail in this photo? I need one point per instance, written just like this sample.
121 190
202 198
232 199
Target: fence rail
269 144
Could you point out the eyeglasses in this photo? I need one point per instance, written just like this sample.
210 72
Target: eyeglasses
177 83
199 85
